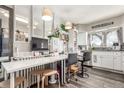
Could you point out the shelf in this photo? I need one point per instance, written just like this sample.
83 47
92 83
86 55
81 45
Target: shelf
21 42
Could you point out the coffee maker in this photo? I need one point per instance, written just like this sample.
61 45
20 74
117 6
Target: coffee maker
116 46
122 46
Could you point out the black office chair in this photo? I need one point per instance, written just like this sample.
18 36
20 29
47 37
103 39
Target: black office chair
72 68
85 58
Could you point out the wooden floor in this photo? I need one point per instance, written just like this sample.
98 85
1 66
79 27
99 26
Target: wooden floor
97 79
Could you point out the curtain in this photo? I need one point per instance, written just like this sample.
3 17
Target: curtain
120 35
89 41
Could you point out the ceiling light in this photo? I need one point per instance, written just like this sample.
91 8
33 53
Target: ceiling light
68 25
22 20
2 12
34 27
35 23
6 14
47 14
18 18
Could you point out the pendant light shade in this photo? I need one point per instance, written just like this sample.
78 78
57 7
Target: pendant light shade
68 25
47 14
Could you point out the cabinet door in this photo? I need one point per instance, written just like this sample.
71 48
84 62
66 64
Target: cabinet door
107 61
117 61
96 60
122 61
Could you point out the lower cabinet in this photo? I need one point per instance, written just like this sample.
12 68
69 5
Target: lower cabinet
110 60
107 61
117 61
123 61
96 60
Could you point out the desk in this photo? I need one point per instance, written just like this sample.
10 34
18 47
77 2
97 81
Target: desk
3 59
13 66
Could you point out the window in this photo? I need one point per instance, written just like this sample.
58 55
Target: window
96 40
111 38
104 38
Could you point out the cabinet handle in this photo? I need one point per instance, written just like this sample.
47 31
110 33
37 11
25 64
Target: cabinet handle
95 59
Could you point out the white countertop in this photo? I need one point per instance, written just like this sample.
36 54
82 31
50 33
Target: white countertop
14 66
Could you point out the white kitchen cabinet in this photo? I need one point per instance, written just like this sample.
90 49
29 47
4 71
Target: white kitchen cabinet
117 61
96 60
107 61
122 61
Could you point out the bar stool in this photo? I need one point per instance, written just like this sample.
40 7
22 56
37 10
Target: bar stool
44 75
18 81
38 74
50 72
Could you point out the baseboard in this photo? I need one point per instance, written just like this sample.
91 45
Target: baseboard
110 70
88 66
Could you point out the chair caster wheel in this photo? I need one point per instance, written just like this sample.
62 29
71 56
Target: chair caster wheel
68 80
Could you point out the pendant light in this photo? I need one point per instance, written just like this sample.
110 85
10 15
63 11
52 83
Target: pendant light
47 14
68 25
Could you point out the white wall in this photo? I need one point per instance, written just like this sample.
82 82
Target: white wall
37 29
24 12
82 38
72 43
117 22
82 34
122 24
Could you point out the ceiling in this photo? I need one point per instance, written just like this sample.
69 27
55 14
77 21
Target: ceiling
85 14
78 14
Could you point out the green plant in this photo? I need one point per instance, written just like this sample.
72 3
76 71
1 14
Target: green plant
55 34
63 27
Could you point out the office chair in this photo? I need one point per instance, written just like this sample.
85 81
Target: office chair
72 68
86 57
